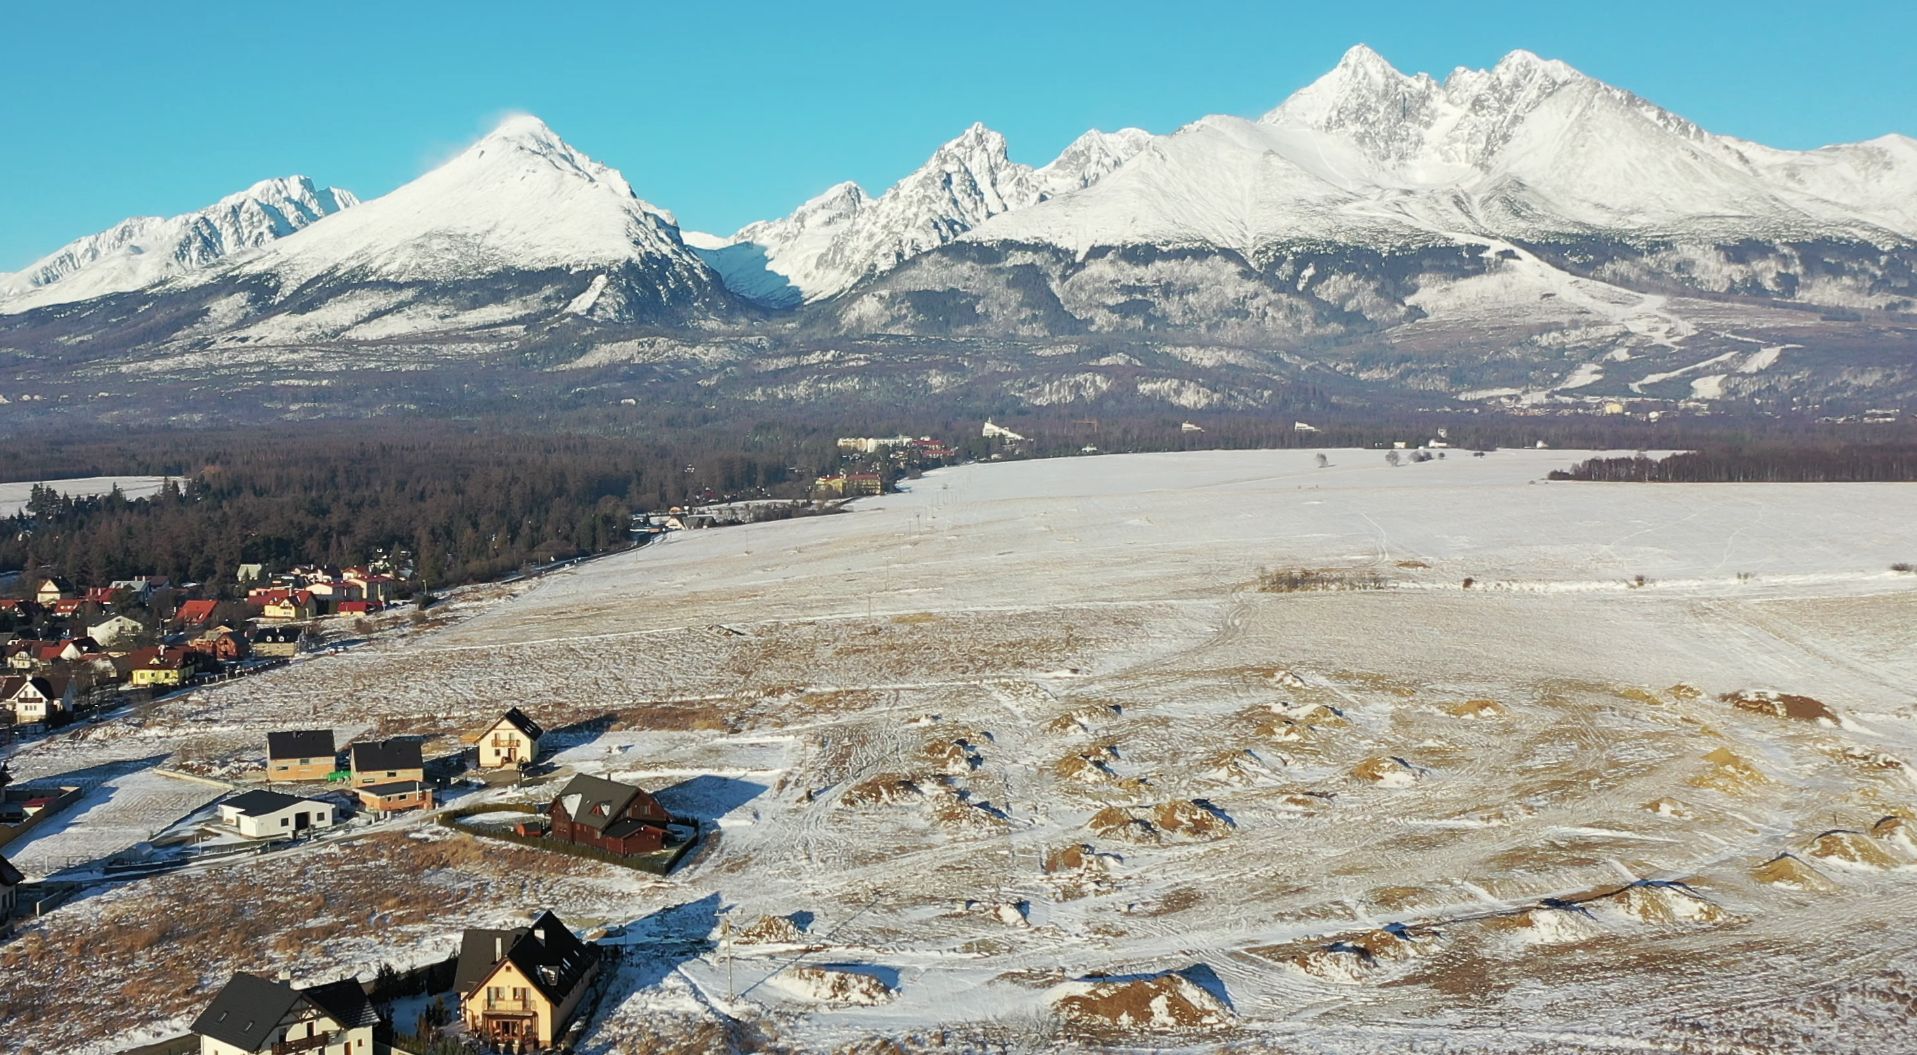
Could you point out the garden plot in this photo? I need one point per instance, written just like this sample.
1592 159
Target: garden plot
1028 753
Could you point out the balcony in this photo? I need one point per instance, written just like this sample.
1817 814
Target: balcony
509 1006
316 1042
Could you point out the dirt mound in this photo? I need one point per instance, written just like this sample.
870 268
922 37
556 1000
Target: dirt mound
1548 923
1286 679
1874 761
952 756
1854 849
1237 766
1083 719
886 789
1728 771
1782 705
1790 871
836 985
1312 714
1186 821
1669 807
1390 771
1362 956
1010 913
1898 832
956 807
771 930
1079 857
1172 1000
1090 766
1476 709
1637 695
1196 819
1660 901
1684 691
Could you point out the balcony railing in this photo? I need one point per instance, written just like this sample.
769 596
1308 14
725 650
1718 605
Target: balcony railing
510 1006
312 1043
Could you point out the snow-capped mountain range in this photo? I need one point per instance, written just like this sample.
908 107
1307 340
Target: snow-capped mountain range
844 235
143 250
1541 224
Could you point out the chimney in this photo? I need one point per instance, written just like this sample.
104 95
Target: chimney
499 948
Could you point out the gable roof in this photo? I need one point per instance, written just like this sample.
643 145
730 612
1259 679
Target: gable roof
247 1009
595 801
300 743
387 754
518 720
545 951
197 611
261 803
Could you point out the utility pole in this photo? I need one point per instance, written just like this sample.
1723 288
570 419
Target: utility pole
725 943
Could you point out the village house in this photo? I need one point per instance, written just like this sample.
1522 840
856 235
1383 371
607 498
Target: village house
141 586
618 818
299 756
252 1015
115 629
271 815
34 700
521 987
160 668
385 761
396 796
249 573
221 643
277 642
10 880
335 591
50 590
24 655
196 613
375 589
510 742
298 604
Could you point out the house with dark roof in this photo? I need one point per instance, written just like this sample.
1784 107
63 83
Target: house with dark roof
271 815
300 755
10 880
35 699
277 642
260 1016
618 818
519 988
385 761
511 742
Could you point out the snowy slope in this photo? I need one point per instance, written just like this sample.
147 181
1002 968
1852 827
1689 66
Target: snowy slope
143 250
518 199
843 235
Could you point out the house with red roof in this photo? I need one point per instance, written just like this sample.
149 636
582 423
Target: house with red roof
196 613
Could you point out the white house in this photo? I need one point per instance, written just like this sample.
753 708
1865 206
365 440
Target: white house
30 700
114 629
252 1014
269 814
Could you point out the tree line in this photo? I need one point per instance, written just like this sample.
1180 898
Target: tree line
1802 463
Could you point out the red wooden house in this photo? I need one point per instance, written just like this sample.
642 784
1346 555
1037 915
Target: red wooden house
618 818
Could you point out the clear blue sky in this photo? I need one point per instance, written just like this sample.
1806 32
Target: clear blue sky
731 112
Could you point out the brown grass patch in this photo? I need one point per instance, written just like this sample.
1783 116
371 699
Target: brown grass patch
884 789
1728 772
915 618
1852 848
1476 709
1790 871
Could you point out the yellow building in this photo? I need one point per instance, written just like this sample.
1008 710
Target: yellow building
159 668
519 988
510 742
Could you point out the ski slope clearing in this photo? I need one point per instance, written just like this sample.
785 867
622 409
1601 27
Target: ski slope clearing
1034 755
13 496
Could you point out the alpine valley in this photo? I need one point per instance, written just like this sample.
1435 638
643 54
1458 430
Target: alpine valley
1518 235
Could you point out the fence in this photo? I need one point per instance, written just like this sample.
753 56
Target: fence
67 797
658 863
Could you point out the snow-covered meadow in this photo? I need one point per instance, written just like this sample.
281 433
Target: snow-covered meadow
1026 757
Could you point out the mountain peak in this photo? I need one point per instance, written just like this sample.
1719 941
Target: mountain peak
1360 59
521 128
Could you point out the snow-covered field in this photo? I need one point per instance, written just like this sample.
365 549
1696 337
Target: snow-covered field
13 496
1026 758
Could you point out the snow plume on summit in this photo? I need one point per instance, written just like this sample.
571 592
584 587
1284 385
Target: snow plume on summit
144 250
842 236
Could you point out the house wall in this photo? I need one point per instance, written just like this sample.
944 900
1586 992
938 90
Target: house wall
299 769
9 896
496 748
395 803
153 676
284 823
504 981
361 778
356 1041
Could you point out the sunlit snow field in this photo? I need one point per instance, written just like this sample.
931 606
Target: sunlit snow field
1012 746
